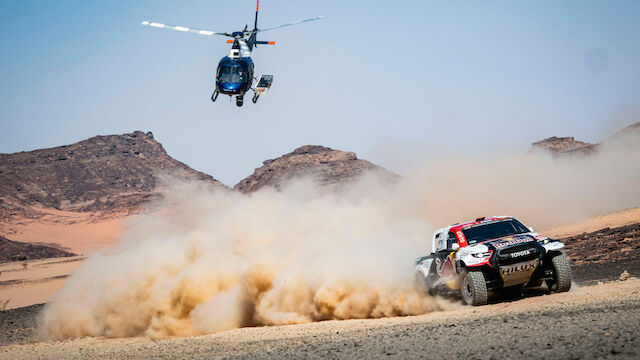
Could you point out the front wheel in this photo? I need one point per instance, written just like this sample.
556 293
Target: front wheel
473 287
562 274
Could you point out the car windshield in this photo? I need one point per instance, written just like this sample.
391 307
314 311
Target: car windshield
232 74
479 233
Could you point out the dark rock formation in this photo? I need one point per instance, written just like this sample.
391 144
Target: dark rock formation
564 145
114 173
629 136
325 165
18 251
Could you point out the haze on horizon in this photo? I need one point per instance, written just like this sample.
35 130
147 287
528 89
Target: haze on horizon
383 80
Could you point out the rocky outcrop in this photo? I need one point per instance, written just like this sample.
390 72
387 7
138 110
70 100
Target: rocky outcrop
18 251
564 145
114 173
629 136
325 165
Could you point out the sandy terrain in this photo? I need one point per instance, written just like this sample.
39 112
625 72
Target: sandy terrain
26 283
595 321
84 234
611 220
588 322
80 233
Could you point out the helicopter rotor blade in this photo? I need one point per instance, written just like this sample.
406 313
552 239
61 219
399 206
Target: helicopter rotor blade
183 29
289 24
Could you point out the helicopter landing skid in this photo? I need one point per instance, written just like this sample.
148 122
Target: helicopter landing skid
214 96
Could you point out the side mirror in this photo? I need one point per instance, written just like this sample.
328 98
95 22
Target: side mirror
530 229
455 246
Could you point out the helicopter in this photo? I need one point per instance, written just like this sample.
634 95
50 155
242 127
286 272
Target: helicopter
234 76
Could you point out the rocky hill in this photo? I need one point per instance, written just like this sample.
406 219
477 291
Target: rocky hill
15 250
630 134
326 165
114 173
563 145
569 145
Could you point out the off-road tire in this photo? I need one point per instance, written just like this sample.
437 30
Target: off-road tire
473 288
562 271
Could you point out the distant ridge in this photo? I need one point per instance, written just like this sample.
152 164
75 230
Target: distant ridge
569 145
563 145
326 165
113 173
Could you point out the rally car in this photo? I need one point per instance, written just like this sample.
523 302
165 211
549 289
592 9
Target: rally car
496 253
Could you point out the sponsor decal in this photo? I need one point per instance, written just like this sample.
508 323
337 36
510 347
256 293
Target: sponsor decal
445 267
520 253
439 266
513 241
528 266
461 239
518 273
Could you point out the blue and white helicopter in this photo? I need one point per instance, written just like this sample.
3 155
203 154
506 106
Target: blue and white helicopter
234 76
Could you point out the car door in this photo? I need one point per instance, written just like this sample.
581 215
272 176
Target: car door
444 265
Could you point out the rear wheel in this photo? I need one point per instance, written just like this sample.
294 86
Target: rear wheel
562 274
473 288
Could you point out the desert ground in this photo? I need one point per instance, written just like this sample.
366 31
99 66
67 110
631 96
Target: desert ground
598 318
590 322
31 282
77 232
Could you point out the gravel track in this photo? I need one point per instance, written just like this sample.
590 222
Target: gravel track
588 322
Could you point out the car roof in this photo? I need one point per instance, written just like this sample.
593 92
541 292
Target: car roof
484 220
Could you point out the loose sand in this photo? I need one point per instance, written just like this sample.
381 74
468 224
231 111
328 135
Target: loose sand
83 233
31 282
587 322
80 233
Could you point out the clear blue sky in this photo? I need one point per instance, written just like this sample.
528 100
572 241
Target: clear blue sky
374 77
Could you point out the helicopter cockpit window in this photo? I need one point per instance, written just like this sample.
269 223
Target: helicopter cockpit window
232 74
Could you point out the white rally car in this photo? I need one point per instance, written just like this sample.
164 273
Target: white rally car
496 253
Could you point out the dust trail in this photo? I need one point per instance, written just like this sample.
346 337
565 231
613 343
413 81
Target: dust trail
204 261
541 190
221 260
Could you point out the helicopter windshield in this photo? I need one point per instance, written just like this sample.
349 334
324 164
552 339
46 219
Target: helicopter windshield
232 74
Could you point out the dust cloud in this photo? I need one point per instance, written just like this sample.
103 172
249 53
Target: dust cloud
202 261
541 190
